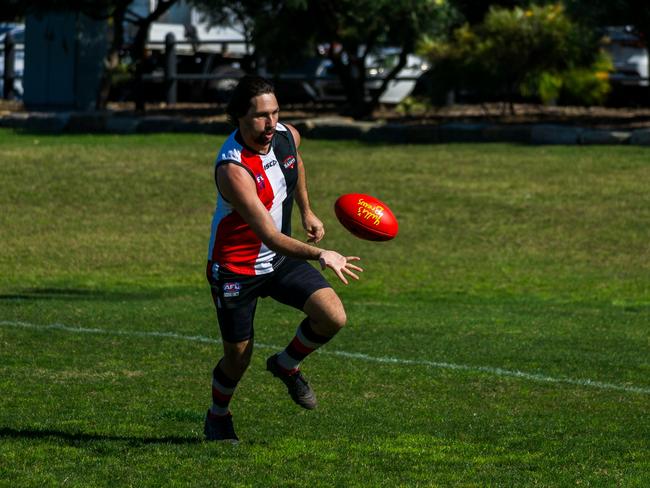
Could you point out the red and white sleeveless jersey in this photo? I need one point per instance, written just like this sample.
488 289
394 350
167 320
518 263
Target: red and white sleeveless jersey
233 244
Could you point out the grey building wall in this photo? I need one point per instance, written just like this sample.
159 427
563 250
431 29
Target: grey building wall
64 59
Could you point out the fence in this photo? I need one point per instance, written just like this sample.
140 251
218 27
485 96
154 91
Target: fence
169 77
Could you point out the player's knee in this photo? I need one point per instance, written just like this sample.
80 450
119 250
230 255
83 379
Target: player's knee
334 321
326 312
339 319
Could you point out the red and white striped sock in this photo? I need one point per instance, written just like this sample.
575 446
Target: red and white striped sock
302 345
223 389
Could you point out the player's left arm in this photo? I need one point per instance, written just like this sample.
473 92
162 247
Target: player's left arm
312 224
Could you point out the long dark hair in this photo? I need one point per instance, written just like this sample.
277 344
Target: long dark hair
249 87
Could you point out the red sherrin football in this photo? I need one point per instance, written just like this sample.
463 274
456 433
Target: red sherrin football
366 217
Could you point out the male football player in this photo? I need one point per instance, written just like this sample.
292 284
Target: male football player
259 174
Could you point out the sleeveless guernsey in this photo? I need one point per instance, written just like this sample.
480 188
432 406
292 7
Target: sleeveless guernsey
233 244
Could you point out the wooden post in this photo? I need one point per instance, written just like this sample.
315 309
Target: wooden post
171 83
9 67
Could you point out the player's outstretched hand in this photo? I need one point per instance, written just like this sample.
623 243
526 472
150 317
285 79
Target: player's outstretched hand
341 265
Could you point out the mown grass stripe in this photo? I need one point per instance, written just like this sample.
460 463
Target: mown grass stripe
351 355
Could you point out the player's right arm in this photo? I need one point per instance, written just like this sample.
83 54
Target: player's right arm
237 186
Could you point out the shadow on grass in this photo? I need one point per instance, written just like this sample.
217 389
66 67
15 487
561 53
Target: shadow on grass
81 437
80 294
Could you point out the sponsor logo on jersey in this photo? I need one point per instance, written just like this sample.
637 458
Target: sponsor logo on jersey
259 179
231 289
270 164
289 162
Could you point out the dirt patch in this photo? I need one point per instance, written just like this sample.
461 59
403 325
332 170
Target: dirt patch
590 117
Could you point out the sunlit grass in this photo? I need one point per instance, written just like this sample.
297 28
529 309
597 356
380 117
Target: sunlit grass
509 258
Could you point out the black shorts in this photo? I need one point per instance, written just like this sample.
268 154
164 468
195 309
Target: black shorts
235 295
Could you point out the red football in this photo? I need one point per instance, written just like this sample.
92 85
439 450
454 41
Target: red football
366 217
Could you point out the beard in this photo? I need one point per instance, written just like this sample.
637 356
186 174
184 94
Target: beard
264 137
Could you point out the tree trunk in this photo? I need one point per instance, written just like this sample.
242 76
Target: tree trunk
112 59
139 51
359 107
352 76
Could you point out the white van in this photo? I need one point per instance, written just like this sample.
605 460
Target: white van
629 54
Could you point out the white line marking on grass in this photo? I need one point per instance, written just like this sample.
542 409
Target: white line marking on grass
350 355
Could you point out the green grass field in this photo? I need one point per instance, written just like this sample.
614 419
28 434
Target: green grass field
503 339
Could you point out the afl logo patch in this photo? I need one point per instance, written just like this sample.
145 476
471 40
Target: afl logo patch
289 162
231 289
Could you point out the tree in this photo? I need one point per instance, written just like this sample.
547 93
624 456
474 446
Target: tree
138 47
518 52
354 28
11 10
118 12
235 14
473 11
285 30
